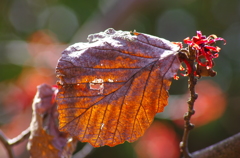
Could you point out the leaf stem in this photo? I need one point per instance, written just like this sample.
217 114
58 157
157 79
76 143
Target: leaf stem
8 143
86 150
192 81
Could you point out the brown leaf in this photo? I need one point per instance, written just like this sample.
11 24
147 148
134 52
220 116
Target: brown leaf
46 141
111 87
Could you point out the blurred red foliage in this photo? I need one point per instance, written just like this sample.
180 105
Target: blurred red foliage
209 106
20 95
44 50
159 141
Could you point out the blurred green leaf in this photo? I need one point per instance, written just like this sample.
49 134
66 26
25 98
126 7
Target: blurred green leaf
9 71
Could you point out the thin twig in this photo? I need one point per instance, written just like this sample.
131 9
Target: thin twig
8 143
4 141
87 149
21 137
192 81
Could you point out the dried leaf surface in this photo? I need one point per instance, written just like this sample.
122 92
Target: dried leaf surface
46 141
111 87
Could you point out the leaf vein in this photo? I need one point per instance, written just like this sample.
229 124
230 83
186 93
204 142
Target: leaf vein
149 74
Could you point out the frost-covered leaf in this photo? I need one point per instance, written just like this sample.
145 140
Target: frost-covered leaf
111 87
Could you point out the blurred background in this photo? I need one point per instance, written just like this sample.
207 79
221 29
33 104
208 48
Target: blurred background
34 33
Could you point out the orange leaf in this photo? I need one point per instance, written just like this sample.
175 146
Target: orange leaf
111 87
46 140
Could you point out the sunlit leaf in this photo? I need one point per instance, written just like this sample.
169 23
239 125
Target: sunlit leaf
111 87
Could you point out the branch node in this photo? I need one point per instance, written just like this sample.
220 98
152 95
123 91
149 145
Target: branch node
192 111
190 126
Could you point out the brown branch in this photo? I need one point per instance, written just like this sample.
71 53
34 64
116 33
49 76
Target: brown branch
192 81
227 148
8 143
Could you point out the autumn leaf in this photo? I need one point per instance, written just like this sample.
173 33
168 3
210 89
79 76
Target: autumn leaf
111 87
45 140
